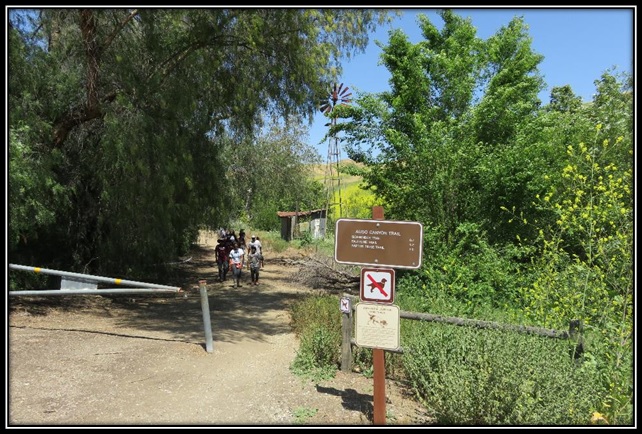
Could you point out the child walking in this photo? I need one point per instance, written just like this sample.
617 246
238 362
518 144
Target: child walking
254 259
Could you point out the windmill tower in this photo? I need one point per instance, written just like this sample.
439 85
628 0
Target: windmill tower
332 179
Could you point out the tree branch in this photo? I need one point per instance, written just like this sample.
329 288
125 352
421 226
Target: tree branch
117 30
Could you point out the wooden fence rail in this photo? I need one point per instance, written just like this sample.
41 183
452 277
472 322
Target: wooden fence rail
348 341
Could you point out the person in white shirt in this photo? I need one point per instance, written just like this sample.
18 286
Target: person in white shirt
237 257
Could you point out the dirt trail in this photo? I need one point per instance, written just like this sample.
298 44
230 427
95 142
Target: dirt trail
141 361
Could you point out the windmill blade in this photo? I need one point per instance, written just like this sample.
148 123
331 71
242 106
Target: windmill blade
346 98
323 103
345 89
329 94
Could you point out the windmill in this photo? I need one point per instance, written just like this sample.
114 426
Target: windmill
332 181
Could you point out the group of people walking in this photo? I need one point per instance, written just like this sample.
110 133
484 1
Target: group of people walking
230 254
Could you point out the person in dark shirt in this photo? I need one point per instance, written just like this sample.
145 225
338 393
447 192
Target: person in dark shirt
221 253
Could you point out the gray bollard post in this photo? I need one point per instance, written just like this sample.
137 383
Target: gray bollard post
205 306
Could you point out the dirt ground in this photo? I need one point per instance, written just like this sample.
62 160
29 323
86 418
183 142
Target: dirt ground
139 360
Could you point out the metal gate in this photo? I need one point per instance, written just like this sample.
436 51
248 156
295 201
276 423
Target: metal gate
76 283
85 284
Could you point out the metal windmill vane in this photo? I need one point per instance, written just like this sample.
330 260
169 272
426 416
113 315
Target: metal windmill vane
338 94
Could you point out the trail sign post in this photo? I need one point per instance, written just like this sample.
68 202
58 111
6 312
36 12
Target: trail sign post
378 243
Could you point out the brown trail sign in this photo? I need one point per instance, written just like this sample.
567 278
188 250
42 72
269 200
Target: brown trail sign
378 243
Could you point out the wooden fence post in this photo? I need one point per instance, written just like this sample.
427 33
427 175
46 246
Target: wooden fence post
575 332
346 340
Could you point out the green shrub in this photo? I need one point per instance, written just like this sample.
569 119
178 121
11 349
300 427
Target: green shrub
316 310
316 320
362 360
469 270
468 376
272 242
585 269
317 355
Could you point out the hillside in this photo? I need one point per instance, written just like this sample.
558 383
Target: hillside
319 173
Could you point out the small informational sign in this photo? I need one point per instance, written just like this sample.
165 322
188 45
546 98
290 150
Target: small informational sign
378 243
69 283
378 284
377 325
344 304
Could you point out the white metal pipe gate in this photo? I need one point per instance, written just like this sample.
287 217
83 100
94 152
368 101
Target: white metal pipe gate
87 284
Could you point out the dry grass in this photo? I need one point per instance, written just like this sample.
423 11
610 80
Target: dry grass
319 172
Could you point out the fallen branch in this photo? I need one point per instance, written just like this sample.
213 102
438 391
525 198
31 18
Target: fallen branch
347 276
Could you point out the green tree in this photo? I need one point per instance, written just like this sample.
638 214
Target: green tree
512 84
271 174
123 116
564 100
584 266
455 104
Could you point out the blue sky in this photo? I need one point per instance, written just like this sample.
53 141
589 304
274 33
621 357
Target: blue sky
578 45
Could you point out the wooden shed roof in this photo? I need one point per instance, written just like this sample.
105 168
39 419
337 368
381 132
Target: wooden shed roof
298 213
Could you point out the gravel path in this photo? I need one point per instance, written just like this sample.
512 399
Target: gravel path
142 361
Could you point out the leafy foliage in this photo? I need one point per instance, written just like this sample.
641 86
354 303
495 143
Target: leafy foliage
317 322
472 272
585 267
269 174
482 377
527 209
122 123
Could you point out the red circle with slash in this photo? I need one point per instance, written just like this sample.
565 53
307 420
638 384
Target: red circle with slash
377 284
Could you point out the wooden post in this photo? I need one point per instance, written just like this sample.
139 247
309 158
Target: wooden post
378 359
575 332
346 340
379 412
